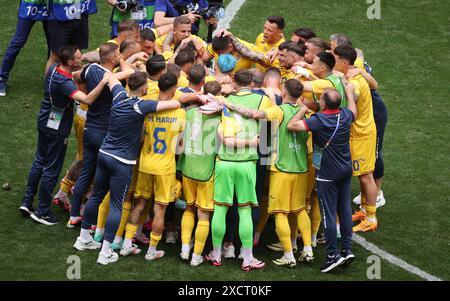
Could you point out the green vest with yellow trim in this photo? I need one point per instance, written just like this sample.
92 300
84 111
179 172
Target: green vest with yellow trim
248 129
198 159
292 152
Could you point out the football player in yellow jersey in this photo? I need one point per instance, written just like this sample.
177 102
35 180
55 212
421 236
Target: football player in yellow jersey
322 68
314 46
362 141
128 29
181 30
271 37
157 166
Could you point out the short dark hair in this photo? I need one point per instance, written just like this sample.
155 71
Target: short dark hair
147 35
284 45
328 59
184 57
297 48
106 51
127 25
167 81
212 87
155 64
332 100
67 53
341 39
319 43
197 74
128 43
279 20
347 53
137 80
257 77
243 77
220 43
305 33
294 87
174 69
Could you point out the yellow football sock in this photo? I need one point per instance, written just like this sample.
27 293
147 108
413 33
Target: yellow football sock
103 211
201 234
363 202
292 219
371 211
283 231
304 225
66 184
187 226
154 239
314 214
126 208
131 231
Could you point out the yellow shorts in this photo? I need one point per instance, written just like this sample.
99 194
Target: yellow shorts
362 152
287 192
78 124
199 193
311 181
160 187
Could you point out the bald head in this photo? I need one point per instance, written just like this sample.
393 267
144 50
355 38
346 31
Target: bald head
331 99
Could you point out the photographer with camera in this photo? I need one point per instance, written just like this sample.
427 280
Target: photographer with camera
167 10
141 11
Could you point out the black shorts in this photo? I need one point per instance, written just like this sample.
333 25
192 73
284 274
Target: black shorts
73 32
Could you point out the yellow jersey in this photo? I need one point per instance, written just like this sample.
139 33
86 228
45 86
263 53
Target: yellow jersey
364 125
183 81
153 91
162 132
265 48
242 62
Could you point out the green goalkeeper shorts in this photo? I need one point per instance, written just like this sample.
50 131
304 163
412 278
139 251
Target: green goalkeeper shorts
235 176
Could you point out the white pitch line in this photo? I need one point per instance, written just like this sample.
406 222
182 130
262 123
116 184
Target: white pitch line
393 259
230 12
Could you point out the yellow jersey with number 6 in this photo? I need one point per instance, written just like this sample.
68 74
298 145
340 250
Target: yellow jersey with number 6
162 132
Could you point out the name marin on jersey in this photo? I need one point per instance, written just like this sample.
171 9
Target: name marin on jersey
162 119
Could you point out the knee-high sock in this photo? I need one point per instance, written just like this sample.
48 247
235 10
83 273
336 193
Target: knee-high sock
154 240
218 225
304 225
283 231
66 184
246 226
201 234
103 211
126 208
363 202
314 214
187 226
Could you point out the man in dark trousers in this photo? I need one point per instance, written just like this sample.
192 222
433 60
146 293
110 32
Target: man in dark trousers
331 158
117 155
54 125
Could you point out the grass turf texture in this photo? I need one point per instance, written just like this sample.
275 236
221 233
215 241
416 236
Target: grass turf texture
407 50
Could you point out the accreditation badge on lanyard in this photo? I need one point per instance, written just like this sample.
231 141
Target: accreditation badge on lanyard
56 114
55 117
